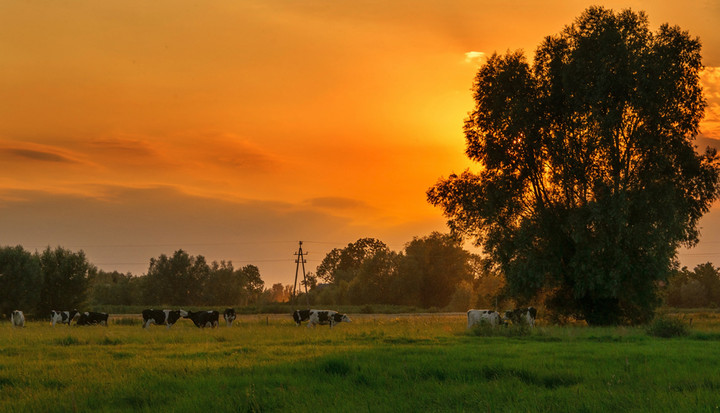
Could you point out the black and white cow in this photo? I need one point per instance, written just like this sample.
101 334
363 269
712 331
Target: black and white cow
17 318
162 317
300 316
64 317
204 319
91 318
323 317
524 315
229 316
490 317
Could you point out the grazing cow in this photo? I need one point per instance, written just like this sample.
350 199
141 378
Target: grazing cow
229 316
165 317
204 319
490 317
17 318
522 316
300 316
323 317
64 317
91 318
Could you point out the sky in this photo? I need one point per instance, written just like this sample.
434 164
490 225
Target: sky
233 129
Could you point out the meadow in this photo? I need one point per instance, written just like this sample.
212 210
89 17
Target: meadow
377 363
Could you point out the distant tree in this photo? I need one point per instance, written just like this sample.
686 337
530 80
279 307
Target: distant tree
176 280
114 288
692 289
311 280
277 293
709 277
252 284
432 268
223 285
589 179
374 279
65 279
345 264
21 279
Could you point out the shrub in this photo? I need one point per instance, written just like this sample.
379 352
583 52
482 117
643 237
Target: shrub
667 327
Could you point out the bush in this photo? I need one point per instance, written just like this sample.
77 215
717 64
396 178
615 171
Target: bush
667 327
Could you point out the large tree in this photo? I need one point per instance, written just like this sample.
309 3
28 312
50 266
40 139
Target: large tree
589 180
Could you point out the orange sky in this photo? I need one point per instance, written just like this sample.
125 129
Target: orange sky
233 129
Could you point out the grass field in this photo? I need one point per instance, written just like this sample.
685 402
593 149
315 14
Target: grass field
376 363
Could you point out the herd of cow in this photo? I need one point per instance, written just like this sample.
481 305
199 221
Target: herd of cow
203 319
167 318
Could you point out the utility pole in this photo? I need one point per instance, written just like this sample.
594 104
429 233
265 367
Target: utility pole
300 260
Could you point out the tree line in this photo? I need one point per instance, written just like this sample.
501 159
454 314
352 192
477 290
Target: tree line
434 271
699 288
57 279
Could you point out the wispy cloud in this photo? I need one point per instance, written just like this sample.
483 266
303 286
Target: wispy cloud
40 155
124 146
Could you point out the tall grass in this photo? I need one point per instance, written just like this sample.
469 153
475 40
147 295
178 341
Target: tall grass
375 363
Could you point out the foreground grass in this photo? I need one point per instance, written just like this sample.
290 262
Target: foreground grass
376 363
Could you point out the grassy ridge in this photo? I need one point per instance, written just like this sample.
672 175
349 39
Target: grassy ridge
376 363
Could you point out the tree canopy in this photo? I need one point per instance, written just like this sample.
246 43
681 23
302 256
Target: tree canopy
589 180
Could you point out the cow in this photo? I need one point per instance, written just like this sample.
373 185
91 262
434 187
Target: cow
91 318
64 317
204 319
524 315
323 317
490 317
229 316
300 316
17 318
164 317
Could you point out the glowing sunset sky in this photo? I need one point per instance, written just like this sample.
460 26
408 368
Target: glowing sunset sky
233 129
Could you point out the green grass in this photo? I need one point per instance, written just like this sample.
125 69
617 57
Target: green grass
376 363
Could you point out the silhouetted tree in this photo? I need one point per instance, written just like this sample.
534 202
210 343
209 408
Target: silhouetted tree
115 288
252 284
692 289
223 286
345 264
65 279
21 280
432 268
589 179
374 278
177 280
